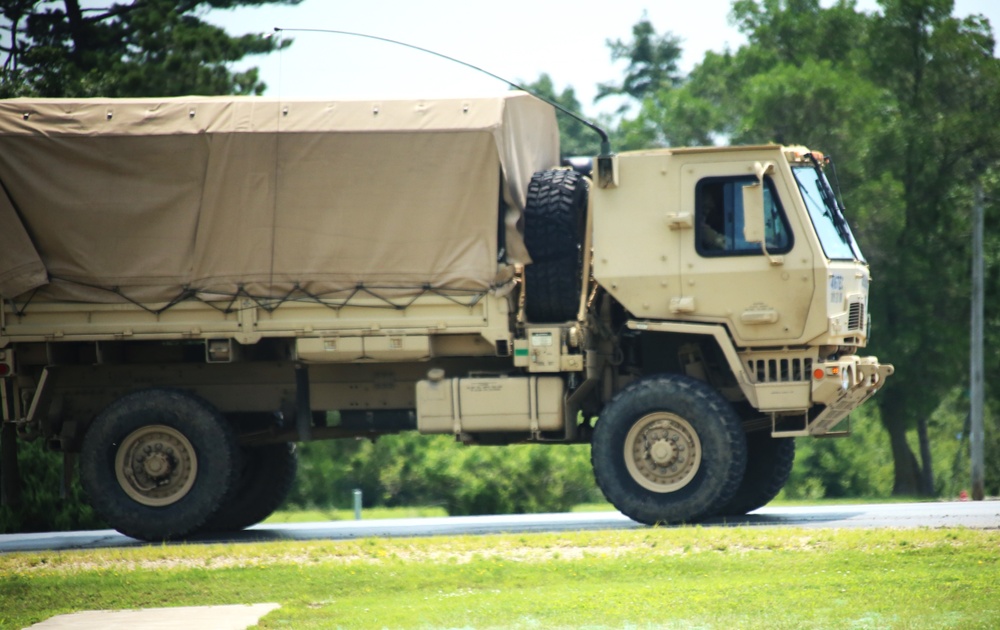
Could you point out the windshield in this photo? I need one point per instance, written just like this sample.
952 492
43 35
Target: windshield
834 234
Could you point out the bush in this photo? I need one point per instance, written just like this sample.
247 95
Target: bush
42 509
862 466
518 479
858 466
412 469
949 429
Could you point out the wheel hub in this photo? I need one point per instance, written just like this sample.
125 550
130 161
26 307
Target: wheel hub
662 452
156 465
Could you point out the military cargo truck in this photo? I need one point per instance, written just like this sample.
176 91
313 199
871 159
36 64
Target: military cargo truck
192 285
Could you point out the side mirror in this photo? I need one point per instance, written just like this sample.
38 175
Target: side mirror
754 230
753 213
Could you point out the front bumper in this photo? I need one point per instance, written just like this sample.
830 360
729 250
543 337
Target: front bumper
839 387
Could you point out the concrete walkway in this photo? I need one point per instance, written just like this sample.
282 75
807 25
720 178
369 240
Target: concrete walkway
187 618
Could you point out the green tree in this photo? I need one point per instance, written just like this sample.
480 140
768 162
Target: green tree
43 505
652 63
908 100
945 87
991 245
141 48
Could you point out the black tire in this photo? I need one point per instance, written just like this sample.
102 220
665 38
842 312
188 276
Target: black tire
554 225
266 477
769 463
553 290
668 449
157 463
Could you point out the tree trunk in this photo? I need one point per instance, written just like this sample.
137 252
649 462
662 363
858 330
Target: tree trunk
910 477
905 467
927 470
77 30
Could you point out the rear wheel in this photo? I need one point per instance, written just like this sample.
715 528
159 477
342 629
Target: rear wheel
668 449
769 463
156 463
266 478
554 225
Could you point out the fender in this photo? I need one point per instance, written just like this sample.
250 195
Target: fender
746 383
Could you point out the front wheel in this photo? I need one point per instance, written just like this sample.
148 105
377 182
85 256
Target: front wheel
668 449
156 463
769 464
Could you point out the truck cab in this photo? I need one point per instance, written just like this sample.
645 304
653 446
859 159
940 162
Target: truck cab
750 242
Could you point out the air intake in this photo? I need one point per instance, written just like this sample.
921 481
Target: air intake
783 370
856 316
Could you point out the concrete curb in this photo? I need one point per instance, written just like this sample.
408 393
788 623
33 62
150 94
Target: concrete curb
238 617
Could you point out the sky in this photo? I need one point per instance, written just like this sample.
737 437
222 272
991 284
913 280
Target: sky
515 39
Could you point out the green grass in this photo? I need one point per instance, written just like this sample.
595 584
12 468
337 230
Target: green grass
685 577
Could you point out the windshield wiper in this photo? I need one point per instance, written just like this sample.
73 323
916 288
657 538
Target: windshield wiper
834 210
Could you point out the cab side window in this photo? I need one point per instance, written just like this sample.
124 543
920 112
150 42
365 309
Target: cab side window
719 218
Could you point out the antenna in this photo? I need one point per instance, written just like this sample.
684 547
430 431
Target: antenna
605 141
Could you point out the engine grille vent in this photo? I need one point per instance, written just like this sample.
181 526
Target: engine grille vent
780 370
856 316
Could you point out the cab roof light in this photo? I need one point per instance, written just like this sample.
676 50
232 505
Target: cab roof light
802 154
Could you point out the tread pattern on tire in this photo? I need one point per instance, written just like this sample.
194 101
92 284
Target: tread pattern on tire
719 430
554 224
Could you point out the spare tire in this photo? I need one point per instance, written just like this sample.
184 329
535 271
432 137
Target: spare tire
555 219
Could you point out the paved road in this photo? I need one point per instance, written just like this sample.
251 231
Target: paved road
972 514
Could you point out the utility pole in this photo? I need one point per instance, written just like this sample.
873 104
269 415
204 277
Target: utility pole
976 436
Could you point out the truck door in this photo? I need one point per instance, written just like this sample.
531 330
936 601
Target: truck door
764 297
637 232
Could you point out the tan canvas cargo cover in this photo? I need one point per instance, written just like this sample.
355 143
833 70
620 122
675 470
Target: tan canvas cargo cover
157 197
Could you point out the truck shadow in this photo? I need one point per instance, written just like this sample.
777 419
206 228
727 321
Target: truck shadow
415 528
779 520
